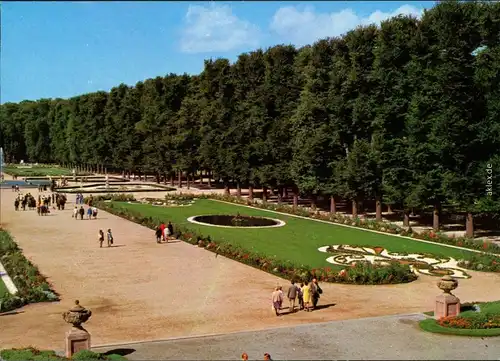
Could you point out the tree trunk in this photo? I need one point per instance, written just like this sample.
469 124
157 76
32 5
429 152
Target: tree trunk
165 178
354 208
264 194
250 192
333 206
158 177
201 177
469 225
389 208
313 203
435 218
406 219
295 198
209 174
285 192
280 195
188 184
238 189
378 210
179 180
172 180
227 192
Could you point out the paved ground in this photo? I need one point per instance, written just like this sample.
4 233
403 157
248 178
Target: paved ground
389 338
140 290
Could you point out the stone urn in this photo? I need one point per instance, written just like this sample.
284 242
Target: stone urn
447 284
77 315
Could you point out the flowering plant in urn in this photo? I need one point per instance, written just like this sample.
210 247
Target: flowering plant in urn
77 315
447 284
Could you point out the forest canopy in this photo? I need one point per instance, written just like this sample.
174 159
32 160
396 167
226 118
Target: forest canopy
406 113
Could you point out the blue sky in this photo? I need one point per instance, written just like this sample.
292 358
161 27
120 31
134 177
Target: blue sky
62 49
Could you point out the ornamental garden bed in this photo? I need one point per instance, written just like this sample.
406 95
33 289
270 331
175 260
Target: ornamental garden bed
32 286
475 319
289 251
32 354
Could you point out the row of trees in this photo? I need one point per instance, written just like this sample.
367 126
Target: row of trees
407 113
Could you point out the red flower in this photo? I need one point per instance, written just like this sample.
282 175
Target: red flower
485 245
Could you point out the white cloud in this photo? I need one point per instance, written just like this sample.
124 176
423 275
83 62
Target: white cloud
305 26
214 28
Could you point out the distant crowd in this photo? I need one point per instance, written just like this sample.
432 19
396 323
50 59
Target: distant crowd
307 296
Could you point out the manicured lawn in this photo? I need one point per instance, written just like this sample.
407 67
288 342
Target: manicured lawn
37 171
298 241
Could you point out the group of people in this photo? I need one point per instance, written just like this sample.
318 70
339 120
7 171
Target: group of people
80 198
307 295
109 237
91 212
163 233
24 200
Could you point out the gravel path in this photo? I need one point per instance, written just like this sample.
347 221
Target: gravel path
381 338
140 290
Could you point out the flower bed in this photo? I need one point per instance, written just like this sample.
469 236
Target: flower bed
361 273
32 354
483 319
32 286
385 227
481 262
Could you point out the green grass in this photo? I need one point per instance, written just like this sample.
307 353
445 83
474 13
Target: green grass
298 241
3 288
37 171
431 325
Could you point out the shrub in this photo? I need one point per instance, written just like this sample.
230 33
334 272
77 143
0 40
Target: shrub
32 354
111 197
362 273
32 286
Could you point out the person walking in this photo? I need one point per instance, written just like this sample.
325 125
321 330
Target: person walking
82 212
162 227
170 231
300 296
101 238
277 298
315 295
306 292
110 238
158 235
75 212
89 213
94 212
292 296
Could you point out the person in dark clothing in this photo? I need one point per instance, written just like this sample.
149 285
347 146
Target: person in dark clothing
82 212
158 235
170 230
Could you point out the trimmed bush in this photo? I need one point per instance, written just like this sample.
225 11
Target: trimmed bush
32 354
481 262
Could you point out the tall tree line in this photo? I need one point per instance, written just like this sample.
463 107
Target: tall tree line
404 114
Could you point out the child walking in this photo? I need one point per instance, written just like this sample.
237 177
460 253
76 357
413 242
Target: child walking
110 238
101 238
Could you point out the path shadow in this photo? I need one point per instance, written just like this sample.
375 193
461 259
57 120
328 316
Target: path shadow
11 313
114 246
119 351
321 307
176 241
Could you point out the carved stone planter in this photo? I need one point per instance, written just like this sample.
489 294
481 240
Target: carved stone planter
77 339
447 304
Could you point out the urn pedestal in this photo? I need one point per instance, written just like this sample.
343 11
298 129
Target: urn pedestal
77 339
447 304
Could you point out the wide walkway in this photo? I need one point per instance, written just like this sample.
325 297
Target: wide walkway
139 290
381 338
